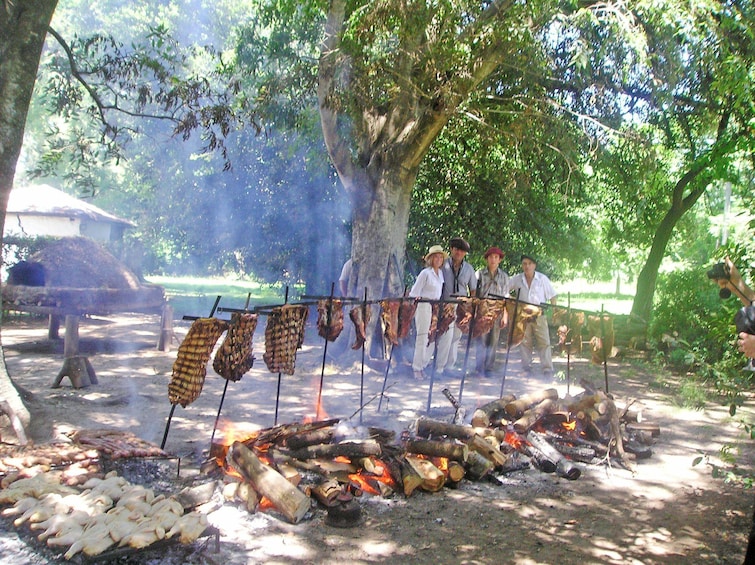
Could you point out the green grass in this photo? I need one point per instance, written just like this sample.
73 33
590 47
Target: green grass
595 296
195 296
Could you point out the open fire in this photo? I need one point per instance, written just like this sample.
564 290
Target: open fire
332 462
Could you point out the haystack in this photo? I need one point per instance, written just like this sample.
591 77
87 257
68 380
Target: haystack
78 262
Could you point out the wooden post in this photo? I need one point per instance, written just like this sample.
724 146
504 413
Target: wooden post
76 367
167 335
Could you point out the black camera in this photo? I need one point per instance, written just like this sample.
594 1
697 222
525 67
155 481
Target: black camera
717 272
744 320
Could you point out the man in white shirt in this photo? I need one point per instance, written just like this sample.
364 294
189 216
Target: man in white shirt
460 280
534 287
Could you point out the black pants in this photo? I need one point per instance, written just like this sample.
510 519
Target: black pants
750 555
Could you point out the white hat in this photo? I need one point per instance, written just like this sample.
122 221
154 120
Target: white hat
436 249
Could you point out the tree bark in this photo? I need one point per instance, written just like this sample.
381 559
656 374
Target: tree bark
23 28
687 191
378 159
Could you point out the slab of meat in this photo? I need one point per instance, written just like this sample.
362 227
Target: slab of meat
360 317
488 312
234 357
465 310
284 334
406 312
397 315
439 327
569 330
330 318
190 367
389 316
602 337
525 314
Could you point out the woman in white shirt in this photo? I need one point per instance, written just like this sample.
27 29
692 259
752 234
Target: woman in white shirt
429 285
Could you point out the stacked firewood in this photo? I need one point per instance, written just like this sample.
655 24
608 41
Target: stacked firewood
553 435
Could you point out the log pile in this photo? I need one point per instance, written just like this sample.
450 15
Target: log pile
290 467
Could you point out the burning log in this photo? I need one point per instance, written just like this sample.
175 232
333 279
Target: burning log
327 492
350 449
434 428
516 408
478 465
547 453
532 415
454 472
284 496
488 450
281 433
432 448
432 478
491 413
314 437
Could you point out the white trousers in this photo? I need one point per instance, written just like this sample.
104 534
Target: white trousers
422 353
448 348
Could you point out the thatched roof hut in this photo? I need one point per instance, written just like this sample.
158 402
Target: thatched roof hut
80 276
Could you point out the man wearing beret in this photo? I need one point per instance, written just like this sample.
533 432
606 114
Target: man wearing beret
534 287
490 280
460 280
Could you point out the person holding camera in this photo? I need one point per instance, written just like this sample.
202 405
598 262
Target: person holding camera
746 344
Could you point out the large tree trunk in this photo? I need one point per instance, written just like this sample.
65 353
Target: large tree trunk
696 180
23 28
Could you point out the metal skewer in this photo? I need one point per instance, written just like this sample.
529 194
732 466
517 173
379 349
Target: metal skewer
278 390
509 339
435 352
466 352
361 380
225 386
390 355
325 350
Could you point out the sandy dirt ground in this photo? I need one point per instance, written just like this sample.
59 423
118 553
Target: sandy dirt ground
667 511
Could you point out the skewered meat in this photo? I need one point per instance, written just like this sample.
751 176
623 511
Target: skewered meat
360 316
487 313
190 367
330 318
464 313
389 316
116 444
440 326
406 311
284 334
397 315
525 314
602 340
234 357
569 331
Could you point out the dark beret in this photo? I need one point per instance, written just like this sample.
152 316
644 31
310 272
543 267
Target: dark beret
459 243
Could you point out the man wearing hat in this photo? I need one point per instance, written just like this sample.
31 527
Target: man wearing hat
534 287
490 280
460 280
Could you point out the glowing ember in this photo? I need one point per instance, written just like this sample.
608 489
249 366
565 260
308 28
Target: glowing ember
368 479
513 439
570 426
